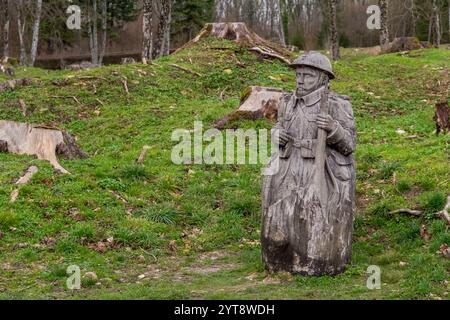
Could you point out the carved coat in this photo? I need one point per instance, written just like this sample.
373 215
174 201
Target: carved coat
295 238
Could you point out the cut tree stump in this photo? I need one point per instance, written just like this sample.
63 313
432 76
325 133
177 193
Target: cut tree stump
256 103
43 142
442 117
12 84
8 70
403 44
242 35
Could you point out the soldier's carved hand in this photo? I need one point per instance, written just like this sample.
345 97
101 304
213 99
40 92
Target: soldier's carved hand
284 137
326 122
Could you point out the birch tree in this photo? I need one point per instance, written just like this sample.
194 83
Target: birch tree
35 7
21 24
161 41
104 31
35 36
5 6
435 24
147 39
384 35
335 52
92 31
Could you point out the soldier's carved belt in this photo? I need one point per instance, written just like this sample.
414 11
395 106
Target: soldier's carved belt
307 148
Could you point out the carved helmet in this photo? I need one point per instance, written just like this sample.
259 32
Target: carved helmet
316 60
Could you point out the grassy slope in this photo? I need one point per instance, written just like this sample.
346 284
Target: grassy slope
216 207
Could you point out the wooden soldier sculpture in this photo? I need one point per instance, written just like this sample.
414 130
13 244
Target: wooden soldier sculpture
309 196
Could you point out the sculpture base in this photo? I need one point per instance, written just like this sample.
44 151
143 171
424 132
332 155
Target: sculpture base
301 237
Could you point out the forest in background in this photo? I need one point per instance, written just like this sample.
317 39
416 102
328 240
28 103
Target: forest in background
36 25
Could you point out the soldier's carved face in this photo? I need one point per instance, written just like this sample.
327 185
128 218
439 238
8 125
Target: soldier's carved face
308 80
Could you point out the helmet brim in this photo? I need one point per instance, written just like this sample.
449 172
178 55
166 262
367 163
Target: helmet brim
296 65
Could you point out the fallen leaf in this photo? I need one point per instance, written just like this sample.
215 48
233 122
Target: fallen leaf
424 233
444 250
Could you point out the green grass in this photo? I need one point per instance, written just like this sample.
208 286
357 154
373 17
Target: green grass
193 230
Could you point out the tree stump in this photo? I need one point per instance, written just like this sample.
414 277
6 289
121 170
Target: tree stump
403 44
256 103
240 34
43 142
442 118
8 70
12 84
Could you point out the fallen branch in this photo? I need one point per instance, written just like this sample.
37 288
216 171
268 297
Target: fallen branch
185 70
415 213
144 151
444 214
31 171
125 85
68 97
222 94
91 78
118 197
270 54
23 107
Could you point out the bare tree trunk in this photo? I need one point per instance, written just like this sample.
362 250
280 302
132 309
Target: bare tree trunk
163 21
92 31
35 37
6 32
430 29
21 31
436 25
147 31
166 42
414 18
384 36
104 30
335 54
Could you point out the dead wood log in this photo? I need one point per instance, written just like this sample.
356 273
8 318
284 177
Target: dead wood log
43 142
442 118
12 84
256 103
242 35
31 171
9 71
84 65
